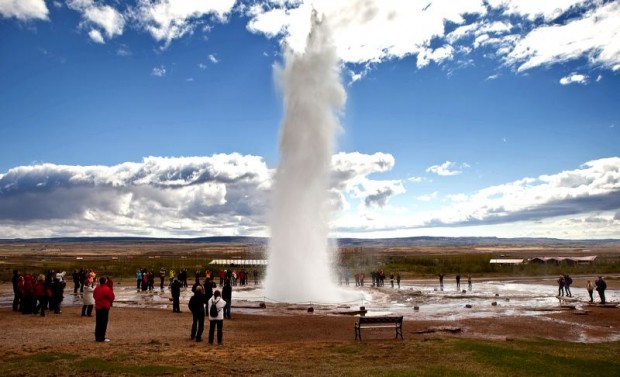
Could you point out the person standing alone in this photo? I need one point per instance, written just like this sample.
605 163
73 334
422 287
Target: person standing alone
175 291
104 297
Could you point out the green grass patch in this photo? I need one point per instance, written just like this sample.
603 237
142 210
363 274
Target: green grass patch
51 357
548 358
100 366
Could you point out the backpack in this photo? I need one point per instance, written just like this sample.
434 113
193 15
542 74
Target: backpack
213 310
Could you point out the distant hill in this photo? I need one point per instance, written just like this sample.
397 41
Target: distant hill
345 242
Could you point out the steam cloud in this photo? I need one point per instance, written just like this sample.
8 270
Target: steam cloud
299 253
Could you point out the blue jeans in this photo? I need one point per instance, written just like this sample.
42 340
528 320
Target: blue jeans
227 310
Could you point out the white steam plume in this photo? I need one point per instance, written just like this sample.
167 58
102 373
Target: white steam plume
299 267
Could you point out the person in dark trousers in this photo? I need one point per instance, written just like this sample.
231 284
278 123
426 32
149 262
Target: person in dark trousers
175 291
567 282
197 307
458 282
88 300
104 297
58 288
216 319
440 281
42 292
227 296
162 277
16 293
560 282
600 288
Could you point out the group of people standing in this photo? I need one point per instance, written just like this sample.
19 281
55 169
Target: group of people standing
36 295
565 282
600 285
458 282
47 293
145 280
209 302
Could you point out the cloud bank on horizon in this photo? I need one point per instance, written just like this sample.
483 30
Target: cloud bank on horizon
229 193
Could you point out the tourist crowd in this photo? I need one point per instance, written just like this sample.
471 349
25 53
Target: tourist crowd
45 292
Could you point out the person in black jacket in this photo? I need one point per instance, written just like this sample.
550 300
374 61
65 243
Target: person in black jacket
227 296
175 291
197 307
58 287
208 286
600 288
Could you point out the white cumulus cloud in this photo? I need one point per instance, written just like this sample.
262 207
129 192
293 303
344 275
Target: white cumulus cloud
99 18
448 168
222 194
167 20
525 34
158 71
574 78
24 9
592 36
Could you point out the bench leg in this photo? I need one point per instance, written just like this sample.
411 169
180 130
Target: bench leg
399 332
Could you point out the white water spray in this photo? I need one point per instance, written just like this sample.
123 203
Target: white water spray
300 263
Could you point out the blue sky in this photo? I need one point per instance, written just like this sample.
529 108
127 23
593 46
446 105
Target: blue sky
161 118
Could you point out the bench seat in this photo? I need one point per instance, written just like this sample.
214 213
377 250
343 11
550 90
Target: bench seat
392 322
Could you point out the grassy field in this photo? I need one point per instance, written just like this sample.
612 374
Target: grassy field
420 356
122 259
428 357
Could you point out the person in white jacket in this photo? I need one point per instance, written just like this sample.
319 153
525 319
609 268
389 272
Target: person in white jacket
87 299
216 320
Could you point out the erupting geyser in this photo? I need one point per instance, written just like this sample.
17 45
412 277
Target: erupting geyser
300 265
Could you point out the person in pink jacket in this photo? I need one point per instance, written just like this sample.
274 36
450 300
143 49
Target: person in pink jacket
104 297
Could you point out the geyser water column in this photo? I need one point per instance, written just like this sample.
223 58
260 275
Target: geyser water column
299 262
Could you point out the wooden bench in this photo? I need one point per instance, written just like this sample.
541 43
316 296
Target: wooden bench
379 322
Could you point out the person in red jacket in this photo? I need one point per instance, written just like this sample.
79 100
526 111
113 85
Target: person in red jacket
104 297
42 292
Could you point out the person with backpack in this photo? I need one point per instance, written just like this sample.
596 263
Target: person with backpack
561 283
216 316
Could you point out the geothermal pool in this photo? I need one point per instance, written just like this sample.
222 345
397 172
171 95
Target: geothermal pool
417 299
